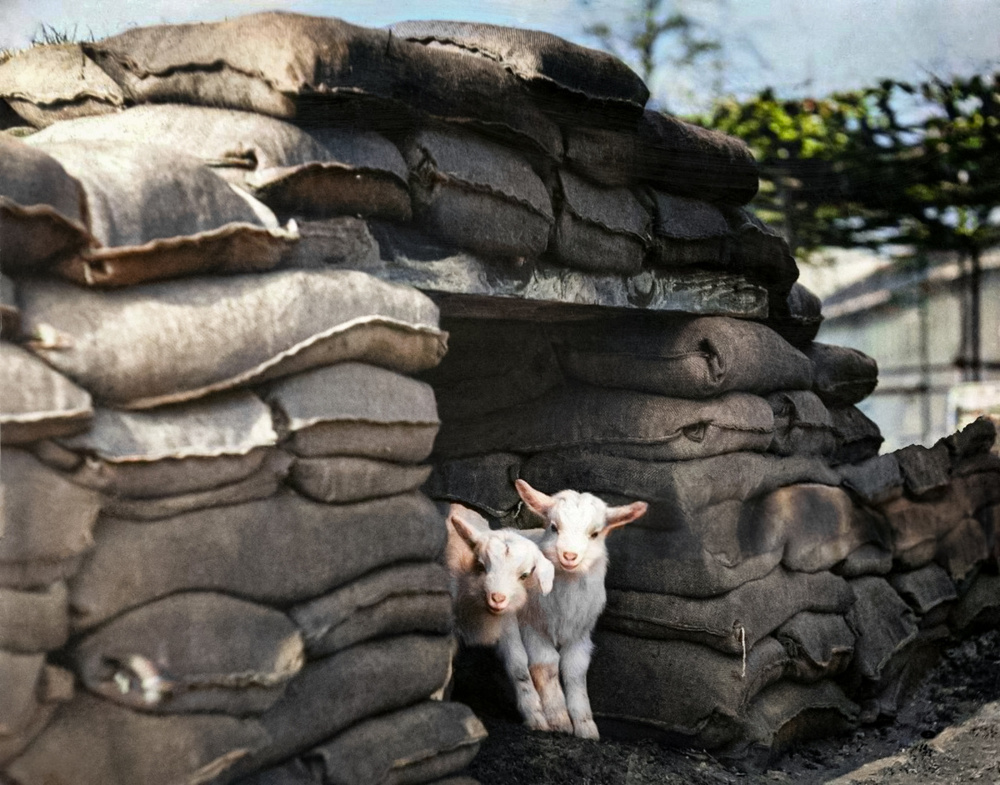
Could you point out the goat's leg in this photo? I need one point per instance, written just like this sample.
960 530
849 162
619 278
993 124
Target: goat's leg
574 665
515 660
543 659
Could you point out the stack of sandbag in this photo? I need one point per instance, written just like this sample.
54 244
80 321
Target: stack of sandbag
214 556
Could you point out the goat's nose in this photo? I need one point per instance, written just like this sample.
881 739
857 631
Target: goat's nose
497 598
568 556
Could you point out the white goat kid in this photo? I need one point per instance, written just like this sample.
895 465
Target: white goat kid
493 574
554 641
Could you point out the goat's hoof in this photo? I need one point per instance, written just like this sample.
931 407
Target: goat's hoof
586 729
560 722
537 722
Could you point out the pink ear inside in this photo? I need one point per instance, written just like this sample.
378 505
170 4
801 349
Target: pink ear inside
466 531
536 500
619 516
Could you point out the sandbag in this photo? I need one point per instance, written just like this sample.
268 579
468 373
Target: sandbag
20 677
918 526
841 376
867 559
398 600
760 252
798 317
319 70
147 346
688 232
963 548
358 410
536 57
345 479
43 516
820 645
976 438
926 590
677 686
43 209
683 356
802 424
858 437
10 311
159 212
317 173
876 480
47 84
733 622
54 687
37 402
478 195
483 482
277 551
190 653
93 740
619 422
418 744
34 621
599 229
925 470
363 681
979 607
37 573
882 622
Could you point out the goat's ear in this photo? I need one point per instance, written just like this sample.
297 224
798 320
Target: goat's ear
466 530
619 516
536 500
545 572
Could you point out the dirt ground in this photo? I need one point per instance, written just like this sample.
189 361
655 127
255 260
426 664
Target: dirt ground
948 733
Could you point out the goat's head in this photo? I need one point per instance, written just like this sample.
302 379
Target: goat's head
576 524
505 565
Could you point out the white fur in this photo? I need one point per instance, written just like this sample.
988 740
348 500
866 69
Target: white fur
548 655
493 574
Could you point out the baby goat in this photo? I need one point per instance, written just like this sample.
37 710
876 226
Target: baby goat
493 573
554 630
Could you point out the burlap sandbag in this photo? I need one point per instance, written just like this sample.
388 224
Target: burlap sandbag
679 687
841 376
979 607
689 358
10 311
37 402
398 600
858 437
802 424
918 526
420 744
34 620
296 771
876 480
928 590
483 482
478 195
867 559
344 479
882 622
37 573
820 645
355 409
318 70
963 548
925 470
315 173
93 740
599 229
363 681
798 317
760 252
20 677
53 687
43 516
620 422
158 212
190 653
148 345
974 439
277 551
536 57
46 84
43 209
688 232
732 622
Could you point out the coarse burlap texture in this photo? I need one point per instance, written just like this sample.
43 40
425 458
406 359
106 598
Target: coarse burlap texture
342 479
688 232
419 744
927 590
37 402
683 356
979 607
483 482
10 311
926 471
47 84
732 622
477 194
760 252
34 620
802 424
858 437
820 645
193 652
276 551
176 341
20 675
798 317
319 172
397 600
333 410
599 229
876 480
53 687
43 209
841 376
158 212
620 422
882 622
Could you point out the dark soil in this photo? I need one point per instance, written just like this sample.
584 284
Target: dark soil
966 679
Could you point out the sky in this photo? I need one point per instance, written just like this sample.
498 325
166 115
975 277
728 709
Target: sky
797 46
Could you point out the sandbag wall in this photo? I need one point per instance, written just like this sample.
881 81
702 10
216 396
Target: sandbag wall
787 580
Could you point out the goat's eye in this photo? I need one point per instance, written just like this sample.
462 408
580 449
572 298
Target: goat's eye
593 535
479 567
525 576
555 528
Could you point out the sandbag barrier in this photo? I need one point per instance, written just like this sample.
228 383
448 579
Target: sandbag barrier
787 580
